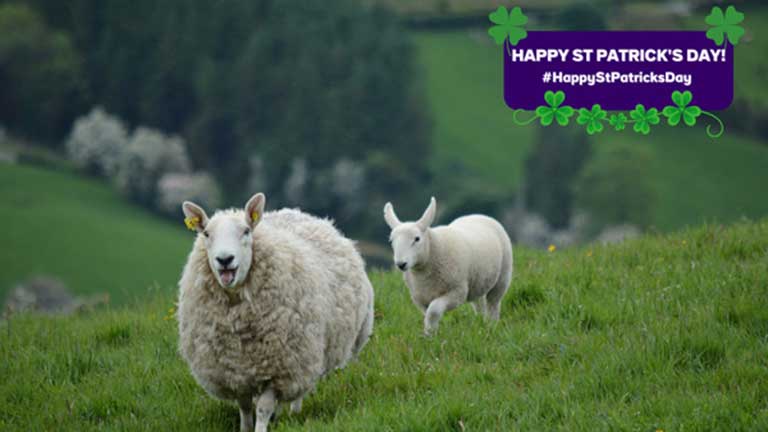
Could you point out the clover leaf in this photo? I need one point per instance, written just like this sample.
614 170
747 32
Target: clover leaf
508 25
644 119
681 110
617 121
592 118
725 24
554 111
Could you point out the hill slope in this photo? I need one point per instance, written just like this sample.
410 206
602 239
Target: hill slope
77 229
666 332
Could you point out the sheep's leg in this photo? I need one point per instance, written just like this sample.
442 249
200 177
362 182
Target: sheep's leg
480 306
246 414
436 309
265 407
296 404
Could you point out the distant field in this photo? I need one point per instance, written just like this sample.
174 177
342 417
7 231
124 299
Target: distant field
663 332
472 123
697 179
79 230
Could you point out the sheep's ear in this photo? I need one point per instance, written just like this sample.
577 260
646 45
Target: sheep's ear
390 216
194 216
429 215
254 209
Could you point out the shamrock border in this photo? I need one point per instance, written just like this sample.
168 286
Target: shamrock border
724 27
641 117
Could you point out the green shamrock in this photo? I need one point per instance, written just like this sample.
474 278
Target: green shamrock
725 24
618 121
554 110
592 118
644 119
682 110
508 25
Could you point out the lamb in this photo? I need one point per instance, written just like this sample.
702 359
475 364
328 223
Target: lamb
269 303
469 260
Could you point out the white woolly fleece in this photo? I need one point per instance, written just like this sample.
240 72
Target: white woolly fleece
304 309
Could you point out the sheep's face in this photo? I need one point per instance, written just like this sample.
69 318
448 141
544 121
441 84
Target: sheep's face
410 246
229 246
228 239
410 240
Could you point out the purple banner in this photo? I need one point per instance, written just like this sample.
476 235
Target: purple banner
618 69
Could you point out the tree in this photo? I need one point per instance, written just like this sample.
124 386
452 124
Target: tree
41 87
554 162
616 187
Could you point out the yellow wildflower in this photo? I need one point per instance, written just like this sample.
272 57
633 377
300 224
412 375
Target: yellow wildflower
191 222
552 248
589 253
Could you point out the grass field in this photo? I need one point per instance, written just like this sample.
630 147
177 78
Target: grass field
79 230
667 332
697 179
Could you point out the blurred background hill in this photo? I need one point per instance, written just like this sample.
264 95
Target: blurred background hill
113 112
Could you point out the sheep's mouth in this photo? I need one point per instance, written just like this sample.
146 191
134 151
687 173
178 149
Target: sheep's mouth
227 276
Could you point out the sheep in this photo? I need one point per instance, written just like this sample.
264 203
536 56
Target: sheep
268 304
469 260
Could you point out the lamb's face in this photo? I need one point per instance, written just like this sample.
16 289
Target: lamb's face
410 240
228 238
229 246
410 245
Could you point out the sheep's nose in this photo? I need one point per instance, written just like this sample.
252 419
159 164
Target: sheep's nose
402 265
225 260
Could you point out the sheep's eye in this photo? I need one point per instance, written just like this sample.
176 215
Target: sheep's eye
205 233
247 231
416 240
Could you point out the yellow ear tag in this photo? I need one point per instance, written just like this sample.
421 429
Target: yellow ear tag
191 223
255 216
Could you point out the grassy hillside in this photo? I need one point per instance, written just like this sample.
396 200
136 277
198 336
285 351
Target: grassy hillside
77 229
697 179
667 332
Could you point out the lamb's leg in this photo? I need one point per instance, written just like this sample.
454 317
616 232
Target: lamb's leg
437 308
265 407
246 414
495 295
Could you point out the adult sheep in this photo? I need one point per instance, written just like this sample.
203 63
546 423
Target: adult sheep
469 260
268 304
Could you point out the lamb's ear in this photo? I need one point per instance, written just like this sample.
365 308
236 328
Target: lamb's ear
254 209
390 217
429 215
194 216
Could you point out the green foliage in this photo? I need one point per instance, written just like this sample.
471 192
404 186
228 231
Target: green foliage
615 187
80 231
240 79
725 24
508 25
550 169
41 86
581 16
636 336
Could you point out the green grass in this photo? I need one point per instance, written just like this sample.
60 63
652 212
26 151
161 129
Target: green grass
667 331
79 230
697 179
